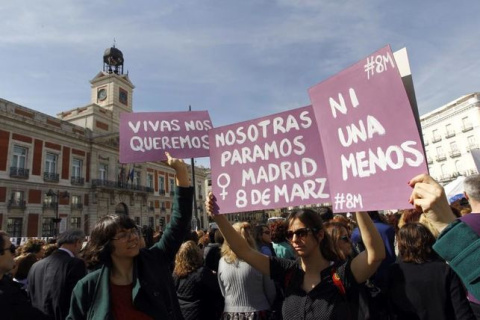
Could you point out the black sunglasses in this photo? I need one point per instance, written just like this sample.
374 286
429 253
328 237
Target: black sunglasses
12 249
300 233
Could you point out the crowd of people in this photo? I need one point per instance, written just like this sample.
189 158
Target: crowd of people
411 264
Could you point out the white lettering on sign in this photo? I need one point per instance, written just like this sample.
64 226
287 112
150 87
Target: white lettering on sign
378 64
285 174
348 201
368 162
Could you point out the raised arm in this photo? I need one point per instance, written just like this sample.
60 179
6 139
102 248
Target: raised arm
181 170
180 223
238 244
429 197
366 263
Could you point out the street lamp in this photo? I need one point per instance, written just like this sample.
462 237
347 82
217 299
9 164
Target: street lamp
57 196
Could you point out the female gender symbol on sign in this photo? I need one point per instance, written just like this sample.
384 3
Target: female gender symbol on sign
225 185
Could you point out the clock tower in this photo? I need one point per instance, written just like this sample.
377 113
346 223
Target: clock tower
111 88
111 94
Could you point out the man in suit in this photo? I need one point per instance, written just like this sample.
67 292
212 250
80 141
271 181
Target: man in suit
51 280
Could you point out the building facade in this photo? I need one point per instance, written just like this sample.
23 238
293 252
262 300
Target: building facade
451 136
64 172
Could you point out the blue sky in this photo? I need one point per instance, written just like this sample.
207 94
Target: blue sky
239 60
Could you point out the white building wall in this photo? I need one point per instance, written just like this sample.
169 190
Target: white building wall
450 133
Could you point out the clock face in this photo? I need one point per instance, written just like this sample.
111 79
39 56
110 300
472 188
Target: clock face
102 94
123 97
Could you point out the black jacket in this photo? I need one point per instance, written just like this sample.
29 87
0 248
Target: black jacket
14 305
51 282
199 295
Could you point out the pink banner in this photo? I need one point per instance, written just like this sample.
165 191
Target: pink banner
271 162
145 136
369 135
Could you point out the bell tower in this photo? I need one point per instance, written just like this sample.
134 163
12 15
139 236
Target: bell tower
111 88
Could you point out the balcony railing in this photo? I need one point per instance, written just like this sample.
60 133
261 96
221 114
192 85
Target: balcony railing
172 193
77 206
436 139
449 134
49 206
445 178
473 146
467 128
455 153
16 172
441 157
96 183
161 192
17 204
77 181
51 177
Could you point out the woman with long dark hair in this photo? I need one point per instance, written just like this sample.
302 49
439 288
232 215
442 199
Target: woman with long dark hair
315 286
133 283
340 239
421 285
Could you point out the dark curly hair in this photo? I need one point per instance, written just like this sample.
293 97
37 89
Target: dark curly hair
32 246
25 263
279 231
99 247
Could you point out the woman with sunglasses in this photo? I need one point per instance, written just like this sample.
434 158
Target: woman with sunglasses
134 283
263 238
315 286
13 302
340 239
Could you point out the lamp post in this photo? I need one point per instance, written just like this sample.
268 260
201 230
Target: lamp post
57 196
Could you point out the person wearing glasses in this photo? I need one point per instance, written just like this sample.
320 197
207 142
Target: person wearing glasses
315 287
340 239
134 283
13 302
263 238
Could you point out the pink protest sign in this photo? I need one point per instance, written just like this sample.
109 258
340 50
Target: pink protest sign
271 162
369 135
145 136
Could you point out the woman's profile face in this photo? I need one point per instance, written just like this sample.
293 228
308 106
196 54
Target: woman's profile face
301 238
344 243
126 243
266 235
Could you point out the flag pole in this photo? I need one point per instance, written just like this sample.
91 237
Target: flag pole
192 161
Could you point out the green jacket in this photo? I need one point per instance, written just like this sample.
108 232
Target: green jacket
153 291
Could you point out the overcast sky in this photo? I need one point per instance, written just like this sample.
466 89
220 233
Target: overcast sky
239 60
